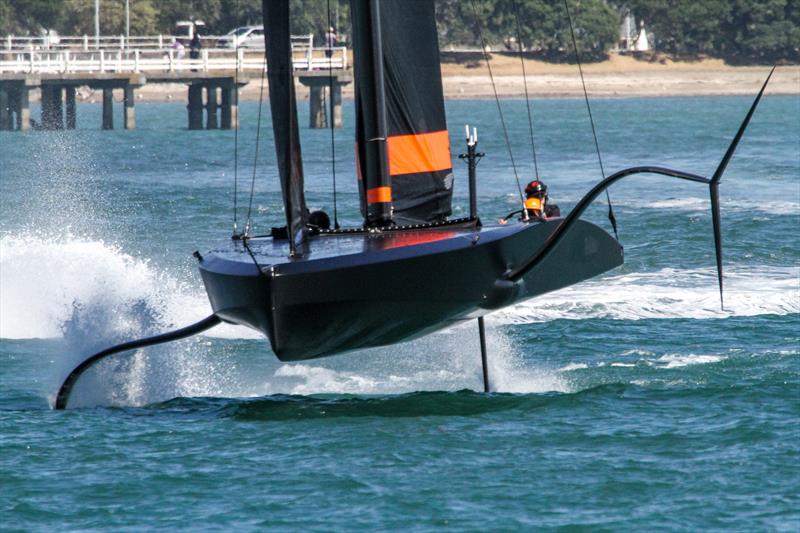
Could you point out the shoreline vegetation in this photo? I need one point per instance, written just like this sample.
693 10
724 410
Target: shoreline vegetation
689 47
619 76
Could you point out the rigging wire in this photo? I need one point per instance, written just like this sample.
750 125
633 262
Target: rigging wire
255 157
499 108
525 81
329 50
611 216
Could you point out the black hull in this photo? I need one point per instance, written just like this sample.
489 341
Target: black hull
354 291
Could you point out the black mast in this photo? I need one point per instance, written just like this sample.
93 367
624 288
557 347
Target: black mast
372 99
282 102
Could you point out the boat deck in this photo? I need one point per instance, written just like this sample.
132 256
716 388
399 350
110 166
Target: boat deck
269 251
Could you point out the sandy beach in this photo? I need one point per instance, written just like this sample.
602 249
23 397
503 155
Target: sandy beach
619 76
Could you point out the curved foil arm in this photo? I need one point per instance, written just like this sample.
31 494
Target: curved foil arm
518 272
558 234
66 388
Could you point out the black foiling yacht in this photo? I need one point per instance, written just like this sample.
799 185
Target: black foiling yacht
410 269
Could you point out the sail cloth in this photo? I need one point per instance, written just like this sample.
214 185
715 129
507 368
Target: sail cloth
282 102
403 148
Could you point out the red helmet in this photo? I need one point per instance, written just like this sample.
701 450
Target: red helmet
536 188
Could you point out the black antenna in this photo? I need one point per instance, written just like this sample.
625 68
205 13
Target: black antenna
611 217
329 36
499 109
236 138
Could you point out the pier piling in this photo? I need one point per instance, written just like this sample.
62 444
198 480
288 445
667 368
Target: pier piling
211 107
129 116
317 117
338 120
71 111
23 108
195 106
5 110
52 107
319 83
229 116
108 108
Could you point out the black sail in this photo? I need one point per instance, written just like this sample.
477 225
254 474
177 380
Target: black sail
280 74
403 149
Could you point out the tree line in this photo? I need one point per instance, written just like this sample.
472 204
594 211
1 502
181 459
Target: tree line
737 30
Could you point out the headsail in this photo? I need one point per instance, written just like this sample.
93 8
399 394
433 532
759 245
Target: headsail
284 117
403 147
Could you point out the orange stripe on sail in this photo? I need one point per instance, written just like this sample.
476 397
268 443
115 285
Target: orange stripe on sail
424 152
379 195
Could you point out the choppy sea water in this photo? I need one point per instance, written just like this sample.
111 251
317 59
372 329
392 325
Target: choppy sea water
627 402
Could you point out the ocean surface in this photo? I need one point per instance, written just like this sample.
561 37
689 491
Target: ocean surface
628 402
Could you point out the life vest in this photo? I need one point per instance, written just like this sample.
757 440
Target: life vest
534 206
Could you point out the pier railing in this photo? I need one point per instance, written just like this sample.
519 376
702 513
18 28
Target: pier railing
53 72
11 43
149 54
161 60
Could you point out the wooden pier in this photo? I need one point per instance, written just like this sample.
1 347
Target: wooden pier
213 79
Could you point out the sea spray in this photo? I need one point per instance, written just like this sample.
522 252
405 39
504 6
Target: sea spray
91 295
668 293
445 361
47 283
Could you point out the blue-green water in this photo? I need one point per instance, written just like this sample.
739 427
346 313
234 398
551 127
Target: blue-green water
627 402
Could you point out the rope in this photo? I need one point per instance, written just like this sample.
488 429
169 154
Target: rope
525 80
329 47
499 108
611 216
255 157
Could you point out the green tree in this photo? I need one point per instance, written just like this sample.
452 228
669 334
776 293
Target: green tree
172 11
29 17
596 26
684 27
222 16
77 17
762 31
455 22
465 22
544 26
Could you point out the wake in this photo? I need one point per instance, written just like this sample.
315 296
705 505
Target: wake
53 290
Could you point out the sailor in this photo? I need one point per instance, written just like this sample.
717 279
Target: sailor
319 220
537 201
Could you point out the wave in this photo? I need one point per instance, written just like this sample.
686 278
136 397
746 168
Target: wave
49 290
648 359
691 203
667 293
90 294
446 361
684 203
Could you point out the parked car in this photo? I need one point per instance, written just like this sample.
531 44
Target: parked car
185 30
243 37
